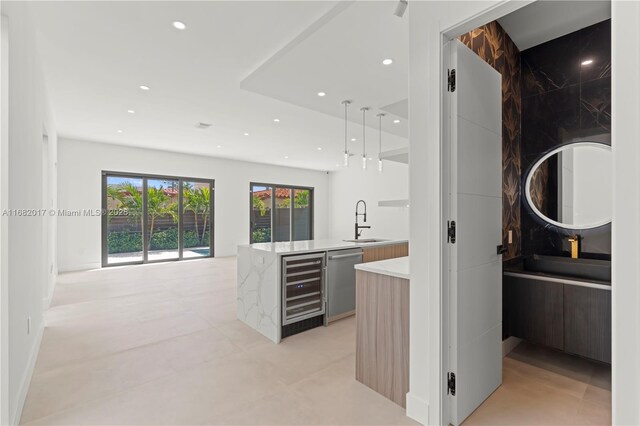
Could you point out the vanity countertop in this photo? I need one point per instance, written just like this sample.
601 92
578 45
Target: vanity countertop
309 246
518 270
397 267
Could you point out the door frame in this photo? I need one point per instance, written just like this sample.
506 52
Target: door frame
446 169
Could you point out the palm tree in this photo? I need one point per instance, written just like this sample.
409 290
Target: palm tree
130 198
197 201
159 204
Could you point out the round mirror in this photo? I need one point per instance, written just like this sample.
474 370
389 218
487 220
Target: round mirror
570 187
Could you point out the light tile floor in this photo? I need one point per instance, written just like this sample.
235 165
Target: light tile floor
160 344
546 387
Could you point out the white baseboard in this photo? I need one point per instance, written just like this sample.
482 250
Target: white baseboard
509 344
79 267
26 379
417 409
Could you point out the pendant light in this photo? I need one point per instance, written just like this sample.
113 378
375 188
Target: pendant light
346 148
380 142
364 143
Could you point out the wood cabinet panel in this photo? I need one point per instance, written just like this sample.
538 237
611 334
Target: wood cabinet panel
587 319
373 254
382 334
536 311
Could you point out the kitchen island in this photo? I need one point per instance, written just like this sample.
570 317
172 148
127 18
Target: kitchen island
260 275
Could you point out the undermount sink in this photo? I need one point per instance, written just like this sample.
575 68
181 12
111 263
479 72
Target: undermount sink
366 240
578 268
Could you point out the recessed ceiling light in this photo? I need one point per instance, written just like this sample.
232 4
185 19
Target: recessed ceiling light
319 148
396 121
353 139
321 94
387 61
130 111
276 120
337 165
119 131
179 25
286 156
369 158
219 146
587 62
246 134
143 87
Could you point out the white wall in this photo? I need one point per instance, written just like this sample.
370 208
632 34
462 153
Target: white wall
428 20
80 166
353 184
26 114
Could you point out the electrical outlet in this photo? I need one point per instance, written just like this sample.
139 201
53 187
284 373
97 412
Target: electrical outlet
510 236
28 325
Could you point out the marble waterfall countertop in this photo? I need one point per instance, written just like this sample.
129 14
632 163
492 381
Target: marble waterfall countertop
398 267
309 246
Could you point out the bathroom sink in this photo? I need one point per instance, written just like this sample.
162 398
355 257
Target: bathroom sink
593 269
366 240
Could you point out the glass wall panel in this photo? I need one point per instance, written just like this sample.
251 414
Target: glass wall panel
282 215
196 219
302 224
260 227
162 219
124 219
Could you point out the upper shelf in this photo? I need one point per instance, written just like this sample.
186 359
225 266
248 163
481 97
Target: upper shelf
400 155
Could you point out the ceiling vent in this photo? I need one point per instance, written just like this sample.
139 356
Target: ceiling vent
201 125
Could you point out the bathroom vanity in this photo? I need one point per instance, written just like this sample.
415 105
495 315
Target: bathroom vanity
561 303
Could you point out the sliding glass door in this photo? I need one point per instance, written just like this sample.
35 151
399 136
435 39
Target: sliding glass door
280 213
155 218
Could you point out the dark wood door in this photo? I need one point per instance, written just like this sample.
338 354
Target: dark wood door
587 322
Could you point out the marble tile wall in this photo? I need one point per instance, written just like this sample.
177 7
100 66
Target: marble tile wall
494 46
562 100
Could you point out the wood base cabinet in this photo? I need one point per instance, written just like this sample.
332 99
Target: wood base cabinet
382 334
373 254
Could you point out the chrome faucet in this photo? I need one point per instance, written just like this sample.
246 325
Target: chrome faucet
360 227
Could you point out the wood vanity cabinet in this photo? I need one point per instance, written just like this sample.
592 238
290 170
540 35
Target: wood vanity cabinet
373 254
535 311
587 322
568 317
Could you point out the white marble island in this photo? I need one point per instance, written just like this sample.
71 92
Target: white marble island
259 293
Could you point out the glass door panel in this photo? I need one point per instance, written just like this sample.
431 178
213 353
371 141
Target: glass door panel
124 220
196 219
261 197
301 215
162 219
282 215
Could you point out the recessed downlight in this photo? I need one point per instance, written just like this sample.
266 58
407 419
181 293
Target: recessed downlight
319 148
353 139
396 121
387 61
145 88
178 25
587 62
276 120
246 134
219 146
119 131
286 156
321 94
130 111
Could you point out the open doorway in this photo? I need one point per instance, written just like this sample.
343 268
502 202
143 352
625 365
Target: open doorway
527 273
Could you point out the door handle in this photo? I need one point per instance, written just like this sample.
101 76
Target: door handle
501 249
343 256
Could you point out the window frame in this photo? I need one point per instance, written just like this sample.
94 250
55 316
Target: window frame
105 174
273 187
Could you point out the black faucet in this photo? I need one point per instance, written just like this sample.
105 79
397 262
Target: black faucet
359 227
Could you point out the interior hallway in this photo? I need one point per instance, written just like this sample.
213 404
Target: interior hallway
159 344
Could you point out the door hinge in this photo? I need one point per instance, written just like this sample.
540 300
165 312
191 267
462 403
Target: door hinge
451 384
451 80
451 232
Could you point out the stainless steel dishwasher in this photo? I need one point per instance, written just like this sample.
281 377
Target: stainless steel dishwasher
341 283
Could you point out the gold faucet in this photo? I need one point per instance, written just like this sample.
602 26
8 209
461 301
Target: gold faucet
574 240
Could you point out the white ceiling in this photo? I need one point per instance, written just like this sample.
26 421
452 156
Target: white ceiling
546 20
96 54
